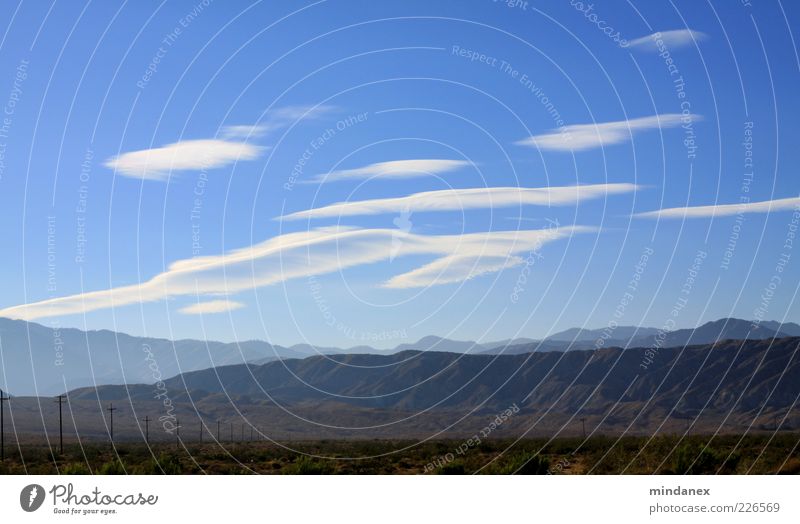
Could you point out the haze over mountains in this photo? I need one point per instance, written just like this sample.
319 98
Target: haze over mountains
731 386
754 374
40 360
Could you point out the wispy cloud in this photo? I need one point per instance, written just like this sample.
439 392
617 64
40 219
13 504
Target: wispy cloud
313 252
783 204
244 131
211 153
395 169
156 164
465 257
276 119
458 199
211 307
580 137
673 39
452 269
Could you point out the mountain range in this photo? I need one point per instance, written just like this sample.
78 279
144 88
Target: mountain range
41 360
728 386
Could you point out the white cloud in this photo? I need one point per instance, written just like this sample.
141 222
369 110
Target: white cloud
783 204
395 169
210 307
579 137
289 114
314 252
156 164
276 119
211 153
673 39
452 269
244 131
473 198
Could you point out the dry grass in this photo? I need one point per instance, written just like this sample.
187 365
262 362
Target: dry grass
755 454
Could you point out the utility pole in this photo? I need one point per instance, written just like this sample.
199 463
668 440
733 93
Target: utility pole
177 433
242 432
201 431
218 440
146 429
251 433
231 431
583 424
60 400
3 398
111 409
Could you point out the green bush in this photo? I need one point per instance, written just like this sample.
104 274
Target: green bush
114 467
165 464
525 464
307 466
170 464
74 468
453 468
690 460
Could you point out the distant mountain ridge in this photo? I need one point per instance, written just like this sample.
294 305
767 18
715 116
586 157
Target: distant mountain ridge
42 360
629 336
590 335
748 376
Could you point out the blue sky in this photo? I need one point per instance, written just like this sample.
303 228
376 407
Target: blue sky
550 159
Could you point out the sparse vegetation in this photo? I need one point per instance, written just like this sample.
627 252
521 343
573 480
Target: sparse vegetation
307 466
525 464
697 454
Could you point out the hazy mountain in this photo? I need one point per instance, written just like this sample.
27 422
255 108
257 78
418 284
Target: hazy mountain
790 328
508 342
432 343
726 328
743 376
591 335
710 332
42 360
538 346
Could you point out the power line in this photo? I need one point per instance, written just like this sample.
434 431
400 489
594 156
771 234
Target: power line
3 398
111 409
60 400
146 429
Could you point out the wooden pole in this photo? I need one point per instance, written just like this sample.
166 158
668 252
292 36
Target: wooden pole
60 400
3 398
111 409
